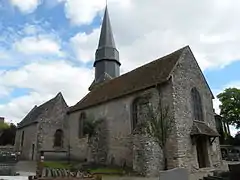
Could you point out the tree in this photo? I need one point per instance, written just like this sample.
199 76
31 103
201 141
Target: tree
90 126
230 106
8 134
159 126
237 139
97 144
4 126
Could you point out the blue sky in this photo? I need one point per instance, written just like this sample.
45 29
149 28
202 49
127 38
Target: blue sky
48 46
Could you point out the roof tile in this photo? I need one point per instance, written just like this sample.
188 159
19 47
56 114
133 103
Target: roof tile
148 75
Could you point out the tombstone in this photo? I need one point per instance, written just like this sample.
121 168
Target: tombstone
176 173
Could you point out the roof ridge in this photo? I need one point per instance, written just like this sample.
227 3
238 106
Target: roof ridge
144 65
38 110
143 77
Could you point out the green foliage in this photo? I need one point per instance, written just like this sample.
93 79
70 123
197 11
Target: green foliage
230 106
90 126
4 126
159 124
106 170
57 164
8 134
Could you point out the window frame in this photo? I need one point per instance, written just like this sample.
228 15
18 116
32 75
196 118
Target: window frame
137 102
81 119
61 134
197 105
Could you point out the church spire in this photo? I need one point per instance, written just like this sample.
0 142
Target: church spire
106 45
106 36
107 65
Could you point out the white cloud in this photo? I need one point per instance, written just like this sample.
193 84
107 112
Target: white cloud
31 29
83 12
143 30
44 80
26 6
84 45
146 30
37 45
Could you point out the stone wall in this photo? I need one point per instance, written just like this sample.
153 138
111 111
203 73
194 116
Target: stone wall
118 127
122 146
147 156
30 138
52 120
41 134
187 75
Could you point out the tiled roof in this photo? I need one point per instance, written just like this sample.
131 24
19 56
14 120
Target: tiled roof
37 111
200 128
146 76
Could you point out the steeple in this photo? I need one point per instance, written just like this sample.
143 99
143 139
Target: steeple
107 65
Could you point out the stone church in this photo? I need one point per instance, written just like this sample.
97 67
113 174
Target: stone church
119 100
43 129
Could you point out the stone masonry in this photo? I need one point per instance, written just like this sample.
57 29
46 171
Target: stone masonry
142 154
38 127
185 76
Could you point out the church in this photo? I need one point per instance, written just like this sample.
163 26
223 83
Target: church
119 100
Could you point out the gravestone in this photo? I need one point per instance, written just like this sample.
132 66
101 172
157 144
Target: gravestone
176 173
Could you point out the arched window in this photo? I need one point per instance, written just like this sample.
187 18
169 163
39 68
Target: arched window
197 105
80 124
58 138
139 110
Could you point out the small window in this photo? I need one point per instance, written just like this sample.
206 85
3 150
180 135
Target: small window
82 118
58 138
197 105
22 139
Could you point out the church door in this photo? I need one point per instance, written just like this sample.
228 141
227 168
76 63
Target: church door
202 152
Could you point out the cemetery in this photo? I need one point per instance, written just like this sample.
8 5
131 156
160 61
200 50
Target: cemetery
140 121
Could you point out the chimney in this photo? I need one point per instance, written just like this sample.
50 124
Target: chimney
2 119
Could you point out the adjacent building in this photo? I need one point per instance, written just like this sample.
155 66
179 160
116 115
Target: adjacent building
43 129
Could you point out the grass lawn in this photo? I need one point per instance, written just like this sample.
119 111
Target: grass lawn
66 165
107 170
57 165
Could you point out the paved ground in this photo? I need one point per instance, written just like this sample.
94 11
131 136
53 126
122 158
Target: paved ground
26 166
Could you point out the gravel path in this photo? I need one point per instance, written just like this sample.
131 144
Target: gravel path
26 167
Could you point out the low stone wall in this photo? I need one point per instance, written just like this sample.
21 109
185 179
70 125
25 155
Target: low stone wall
55 155
7 148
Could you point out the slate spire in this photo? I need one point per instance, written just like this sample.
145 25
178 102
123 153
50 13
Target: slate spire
106 45
106 36
107 65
